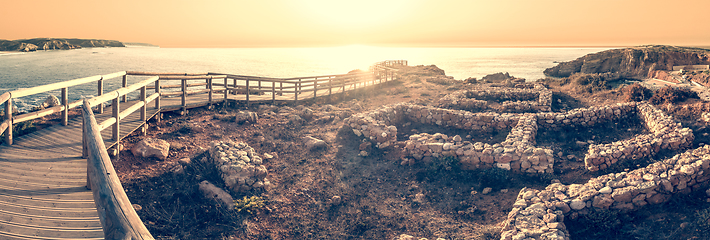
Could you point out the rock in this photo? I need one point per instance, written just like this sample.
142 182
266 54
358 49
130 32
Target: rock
51 101
185 161
306 114
577 204
336 200
151 147
605 190
404 237
213 192
313 144
137 207
419 197
486 190
363 153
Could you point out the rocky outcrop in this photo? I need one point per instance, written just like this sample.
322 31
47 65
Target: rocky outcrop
637 62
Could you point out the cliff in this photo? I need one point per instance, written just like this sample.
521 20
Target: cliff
28 45
636 62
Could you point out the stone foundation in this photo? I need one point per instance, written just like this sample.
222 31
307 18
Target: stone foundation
540 214
527 97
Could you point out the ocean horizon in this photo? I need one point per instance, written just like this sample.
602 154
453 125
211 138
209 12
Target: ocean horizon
24 70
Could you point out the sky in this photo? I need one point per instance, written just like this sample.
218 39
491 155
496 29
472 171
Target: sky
405 23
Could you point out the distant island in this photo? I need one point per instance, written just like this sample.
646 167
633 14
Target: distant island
137 44
34 44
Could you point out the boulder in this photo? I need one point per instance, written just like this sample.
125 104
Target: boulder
213 192
51 101
151 147
313 144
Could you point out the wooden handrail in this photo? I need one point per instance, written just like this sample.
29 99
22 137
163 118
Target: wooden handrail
138 73
190 77
121 91
54 86
4 97
44 112
118 218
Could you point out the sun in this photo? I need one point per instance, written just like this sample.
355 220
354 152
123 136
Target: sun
352 14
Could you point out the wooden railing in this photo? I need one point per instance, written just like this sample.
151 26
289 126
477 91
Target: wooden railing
118 218
7 98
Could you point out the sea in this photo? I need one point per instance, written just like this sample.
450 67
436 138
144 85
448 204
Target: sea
24 70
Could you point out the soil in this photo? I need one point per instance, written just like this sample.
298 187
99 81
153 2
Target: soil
336 194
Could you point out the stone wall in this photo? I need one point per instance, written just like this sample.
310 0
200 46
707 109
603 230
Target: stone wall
522 98
239 165
540 214
666 134
516 153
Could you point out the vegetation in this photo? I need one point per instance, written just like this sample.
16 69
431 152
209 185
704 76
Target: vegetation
636 93
672 95
249 205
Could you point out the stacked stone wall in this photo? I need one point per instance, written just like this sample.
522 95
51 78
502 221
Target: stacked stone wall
665 134
523 98
239 165
540 214
516 153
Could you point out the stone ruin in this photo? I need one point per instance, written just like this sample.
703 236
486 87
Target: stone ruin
523 97
540 214
518 152
239 165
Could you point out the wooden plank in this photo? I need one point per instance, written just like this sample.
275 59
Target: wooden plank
118 218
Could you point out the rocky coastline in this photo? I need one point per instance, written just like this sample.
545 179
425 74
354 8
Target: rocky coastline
36 44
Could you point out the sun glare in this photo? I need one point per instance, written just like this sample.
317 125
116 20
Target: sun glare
352 14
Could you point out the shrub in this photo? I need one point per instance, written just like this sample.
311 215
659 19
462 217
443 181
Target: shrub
636 93
672 95
249 205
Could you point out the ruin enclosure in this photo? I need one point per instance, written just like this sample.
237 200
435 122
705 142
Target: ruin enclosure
605 135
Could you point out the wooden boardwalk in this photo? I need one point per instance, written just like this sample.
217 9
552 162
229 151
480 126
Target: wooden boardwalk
43 192
43 176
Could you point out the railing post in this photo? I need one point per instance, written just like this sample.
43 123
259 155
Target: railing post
209 86
247 79
157 100
281 88
84 147
116 110
315 88
143 110
8 117
101 92
258 81
226 90
65 103
184 96
296 88
273 92
124 83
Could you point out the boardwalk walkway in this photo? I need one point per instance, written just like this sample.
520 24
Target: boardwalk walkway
43 176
